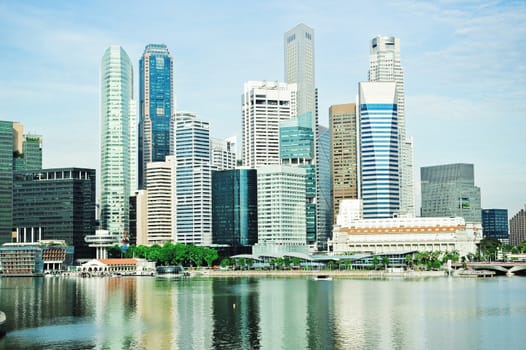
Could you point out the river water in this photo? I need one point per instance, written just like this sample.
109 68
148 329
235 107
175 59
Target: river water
263 313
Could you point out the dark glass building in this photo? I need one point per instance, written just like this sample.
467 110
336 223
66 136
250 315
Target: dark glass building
61 202
495 223
234 207
155 106
6 181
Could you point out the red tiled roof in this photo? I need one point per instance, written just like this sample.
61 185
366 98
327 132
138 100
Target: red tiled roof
118 261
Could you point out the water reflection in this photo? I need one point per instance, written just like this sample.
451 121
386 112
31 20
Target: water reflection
262 313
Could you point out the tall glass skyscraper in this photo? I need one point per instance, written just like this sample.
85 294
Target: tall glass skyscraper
495 223
193 183
379 145
118 133
156 107
449 190
6 181
235 207
324 217
384 65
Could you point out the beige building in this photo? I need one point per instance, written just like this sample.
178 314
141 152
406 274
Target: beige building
518 227
344 167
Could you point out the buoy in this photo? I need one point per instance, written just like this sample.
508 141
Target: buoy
233 306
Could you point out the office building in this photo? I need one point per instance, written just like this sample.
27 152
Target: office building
324 215
384 65
281 209
27 153
344 153
379 145
518 227
223 153
296 142
495 223
156 106
118 134
193 182
264 106
6 180
160 202
60 203
234 207
449 190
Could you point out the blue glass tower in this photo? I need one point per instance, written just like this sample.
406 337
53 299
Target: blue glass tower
6 181
379 145
156 106
296 148
234 207
495 223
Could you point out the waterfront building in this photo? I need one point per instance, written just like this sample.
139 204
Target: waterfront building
379 145
101 241
495 224
384 65
60 201
344 154
30 155
35 258
160 202
281 209
518 227
380 236
223 153
156 106
296 148
324 215
264 106
141 217
193 182
234 207
6 180
118 134
105 266
449 190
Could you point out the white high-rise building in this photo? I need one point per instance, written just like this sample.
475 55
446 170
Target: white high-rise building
160 201
264 106
281 209
193 180
118 139
384 65
223 153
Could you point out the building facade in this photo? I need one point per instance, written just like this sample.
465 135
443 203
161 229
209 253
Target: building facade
281 209
160 202
193 180
384 65
518 227
118 134
495 223
234 207
379 150
449 190
156 107
344 153
324 215
264 106
60 202
30 156
223 153
6 181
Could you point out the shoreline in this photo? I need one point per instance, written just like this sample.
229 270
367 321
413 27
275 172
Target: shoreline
333 274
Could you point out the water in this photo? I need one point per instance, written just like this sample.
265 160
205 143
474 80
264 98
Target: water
263 313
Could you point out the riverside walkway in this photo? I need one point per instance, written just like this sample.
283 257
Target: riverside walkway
500 267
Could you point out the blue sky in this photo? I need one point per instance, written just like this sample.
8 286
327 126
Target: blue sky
464 64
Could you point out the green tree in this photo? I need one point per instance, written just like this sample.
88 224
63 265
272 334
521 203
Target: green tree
376 262
331 265
296 261
210 255
385 262
114 252
195 255
488 247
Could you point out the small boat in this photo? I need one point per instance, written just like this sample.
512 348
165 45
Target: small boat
3 320
323 278
172 271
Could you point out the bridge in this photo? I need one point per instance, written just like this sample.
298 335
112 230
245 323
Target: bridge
500 267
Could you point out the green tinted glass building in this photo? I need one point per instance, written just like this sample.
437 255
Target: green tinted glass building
6 181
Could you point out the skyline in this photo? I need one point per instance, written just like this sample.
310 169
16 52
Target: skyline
463 66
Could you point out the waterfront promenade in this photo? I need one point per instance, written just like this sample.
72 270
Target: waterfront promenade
303 273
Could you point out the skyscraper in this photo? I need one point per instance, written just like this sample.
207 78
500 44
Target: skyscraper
379 146
27 152
495 223
518 227
264 106
160 201
344 152
156 106
324 216
193 182
384 65
223 153
6 180
118 130
449 190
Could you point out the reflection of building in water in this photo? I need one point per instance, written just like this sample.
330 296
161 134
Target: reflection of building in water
283 322
320 311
